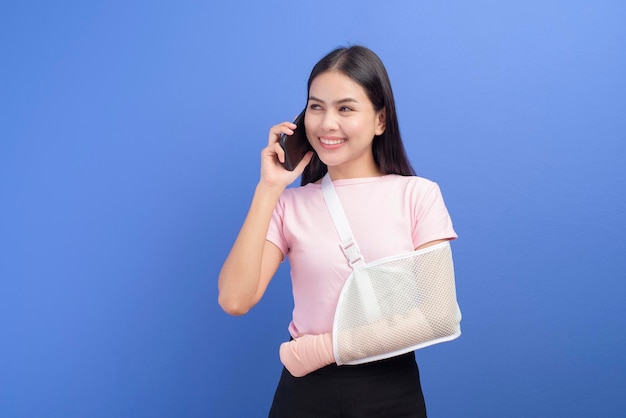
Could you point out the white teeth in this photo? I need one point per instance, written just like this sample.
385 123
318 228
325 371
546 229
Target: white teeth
331 141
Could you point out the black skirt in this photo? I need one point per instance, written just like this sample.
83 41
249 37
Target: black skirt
387 388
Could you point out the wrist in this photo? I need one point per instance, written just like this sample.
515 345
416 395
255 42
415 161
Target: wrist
270 189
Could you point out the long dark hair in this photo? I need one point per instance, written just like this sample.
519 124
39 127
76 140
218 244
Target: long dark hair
364 67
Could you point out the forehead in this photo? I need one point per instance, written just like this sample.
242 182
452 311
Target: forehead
335 85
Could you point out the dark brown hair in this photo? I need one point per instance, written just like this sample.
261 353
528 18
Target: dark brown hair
364 67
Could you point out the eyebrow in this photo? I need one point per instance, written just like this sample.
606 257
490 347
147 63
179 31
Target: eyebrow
346 100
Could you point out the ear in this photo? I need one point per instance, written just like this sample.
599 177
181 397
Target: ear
381 122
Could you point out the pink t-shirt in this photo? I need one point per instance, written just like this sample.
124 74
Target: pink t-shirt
388 215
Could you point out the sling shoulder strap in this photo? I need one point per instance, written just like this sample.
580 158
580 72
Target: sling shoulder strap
351 249
348 244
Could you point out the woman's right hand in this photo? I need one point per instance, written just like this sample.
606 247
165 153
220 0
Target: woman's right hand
272 171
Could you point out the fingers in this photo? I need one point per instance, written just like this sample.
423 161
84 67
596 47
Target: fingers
273 157
273 146
277 150
277 130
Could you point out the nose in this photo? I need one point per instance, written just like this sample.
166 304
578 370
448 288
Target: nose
329 121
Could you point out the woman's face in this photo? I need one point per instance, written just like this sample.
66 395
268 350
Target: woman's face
341 123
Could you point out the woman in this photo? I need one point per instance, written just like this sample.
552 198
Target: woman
351 124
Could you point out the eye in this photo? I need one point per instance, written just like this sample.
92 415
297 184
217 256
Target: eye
345 109
314 106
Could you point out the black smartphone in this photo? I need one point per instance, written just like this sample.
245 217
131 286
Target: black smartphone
296 145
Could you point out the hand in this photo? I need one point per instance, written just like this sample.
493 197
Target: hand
272 172
307 353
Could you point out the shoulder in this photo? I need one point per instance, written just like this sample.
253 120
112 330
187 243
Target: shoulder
413 184
298 196
301 192
419 193
413 180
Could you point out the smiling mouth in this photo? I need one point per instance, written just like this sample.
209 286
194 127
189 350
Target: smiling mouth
332 141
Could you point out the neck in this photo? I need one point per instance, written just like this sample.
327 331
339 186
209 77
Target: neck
360 171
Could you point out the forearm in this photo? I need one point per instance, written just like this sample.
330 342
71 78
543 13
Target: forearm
240 275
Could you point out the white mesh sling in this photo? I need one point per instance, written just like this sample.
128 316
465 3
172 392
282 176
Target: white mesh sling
393 305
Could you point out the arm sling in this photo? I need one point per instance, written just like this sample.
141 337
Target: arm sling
393 305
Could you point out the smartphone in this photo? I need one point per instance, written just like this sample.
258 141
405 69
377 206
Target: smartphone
296 145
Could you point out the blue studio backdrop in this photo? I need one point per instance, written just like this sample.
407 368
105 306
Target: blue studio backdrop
130 135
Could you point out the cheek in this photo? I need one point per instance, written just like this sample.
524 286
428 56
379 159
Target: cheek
355 127
311 126
308 129
308 124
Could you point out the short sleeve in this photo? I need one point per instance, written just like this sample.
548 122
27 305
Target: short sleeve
431 218
275 232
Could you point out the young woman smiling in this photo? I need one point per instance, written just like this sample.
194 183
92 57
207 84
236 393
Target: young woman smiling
351 124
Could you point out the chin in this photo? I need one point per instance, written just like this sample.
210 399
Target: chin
330 162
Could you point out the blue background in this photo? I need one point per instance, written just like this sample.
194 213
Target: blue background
130 135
